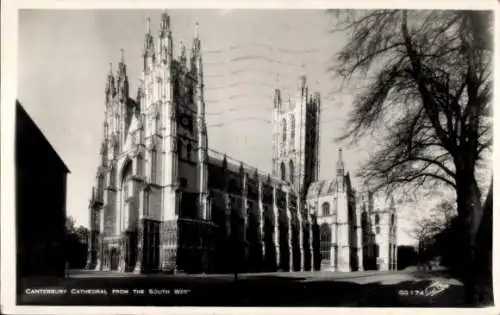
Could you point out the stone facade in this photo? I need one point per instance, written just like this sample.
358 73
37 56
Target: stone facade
165 202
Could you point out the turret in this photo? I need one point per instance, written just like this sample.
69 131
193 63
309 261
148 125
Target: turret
196 53
340 164
110 86
340 172
149 47
122 83
165 39
182 54
303 88
197 71
104 153
277 98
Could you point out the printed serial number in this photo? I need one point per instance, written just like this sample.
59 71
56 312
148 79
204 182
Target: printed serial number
411 293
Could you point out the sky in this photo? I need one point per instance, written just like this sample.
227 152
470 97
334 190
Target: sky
64 58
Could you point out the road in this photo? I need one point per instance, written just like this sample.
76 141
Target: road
396 288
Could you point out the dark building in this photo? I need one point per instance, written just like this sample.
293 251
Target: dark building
40 200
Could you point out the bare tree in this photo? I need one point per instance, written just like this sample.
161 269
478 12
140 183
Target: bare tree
428 98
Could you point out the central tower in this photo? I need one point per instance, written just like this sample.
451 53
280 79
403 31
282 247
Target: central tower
296 138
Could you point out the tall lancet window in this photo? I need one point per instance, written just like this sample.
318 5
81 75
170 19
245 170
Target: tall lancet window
283 171
112 176
292 172
158 89
326 209
140 162
126 192
283 126
154 162
292 132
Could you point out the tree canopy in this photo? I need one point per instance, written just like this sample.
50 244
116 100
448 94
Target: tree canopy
428 91
427 100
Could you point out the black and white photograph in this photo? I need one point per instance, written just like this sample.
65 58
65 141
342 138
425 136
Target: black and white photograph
251 157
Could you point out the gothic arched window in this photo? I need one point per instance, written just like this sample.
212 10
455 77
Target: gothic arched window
292 131
377 219
392 219
283 126
283 171
291 171
140 161
127 171
154 162
112 176
325 207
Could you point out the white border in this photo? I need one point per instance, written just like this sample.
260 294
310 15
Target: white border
9 22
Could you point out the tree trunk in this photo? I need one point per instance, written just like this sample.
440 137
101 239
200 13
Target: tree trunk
483 255
469 213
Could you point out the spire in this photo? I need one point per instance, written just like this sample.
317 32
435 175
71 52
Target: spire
165 24
277 92
303 82
122 68
277 98
196 41
122 58
182 53
197 69
122 79
110 84
340 164
148 41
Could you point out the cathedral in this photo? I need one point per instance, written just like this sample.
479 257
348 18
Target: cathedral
165 202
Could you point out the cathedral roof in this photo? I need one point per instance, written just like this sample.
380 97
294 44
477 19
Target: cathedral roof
234 166
321 188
